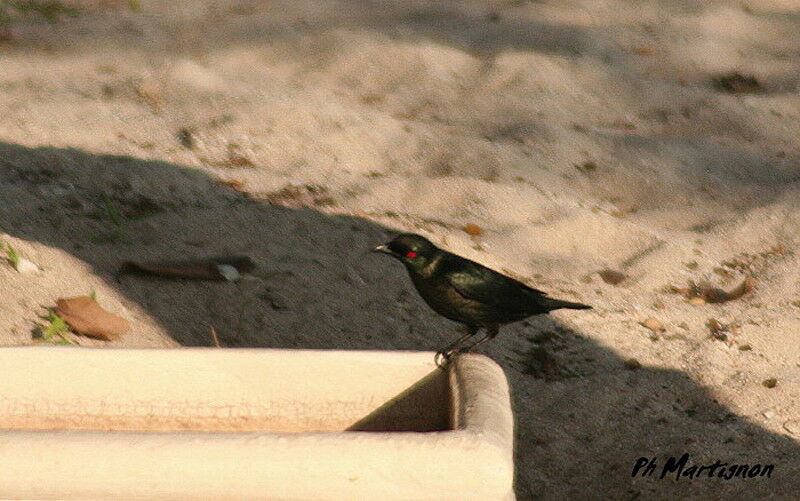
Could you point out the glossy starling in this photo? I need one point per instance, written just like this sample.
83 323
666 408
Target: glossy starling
468 292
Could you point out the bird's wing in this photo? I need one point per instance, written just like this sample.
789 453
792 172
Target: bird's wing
482 284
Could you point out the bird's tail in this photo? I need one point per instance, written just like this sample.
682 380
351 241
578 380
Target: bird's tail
555 304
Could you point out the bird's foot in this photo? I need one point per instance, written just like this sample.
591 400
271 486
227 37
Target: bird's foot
442 358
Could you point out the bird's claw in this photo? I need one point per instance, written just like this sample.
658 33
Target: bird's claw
442 358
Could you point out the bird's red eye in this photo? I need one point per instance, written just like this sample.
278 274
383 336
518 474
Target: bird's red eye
411 254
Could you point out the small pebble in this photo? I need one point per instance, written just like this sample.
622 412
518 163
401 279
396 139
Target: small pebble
473 229
715 325
632 364
736 83
25 266
792 426
230 273
586 167
745 347
653 324
768 414
612 277
186 138
770 383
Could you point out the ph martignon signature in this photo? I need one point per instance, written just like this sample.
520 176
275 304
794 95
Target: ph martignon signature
683 469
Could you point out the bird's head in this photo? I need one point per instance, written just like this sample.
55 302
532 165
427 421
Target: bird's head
412 250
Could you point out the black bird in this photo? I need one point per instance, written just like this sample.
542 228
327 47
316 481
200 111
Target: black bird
468 292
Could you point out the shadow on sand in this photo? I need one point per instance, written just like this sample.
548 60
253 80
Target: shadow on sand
582 417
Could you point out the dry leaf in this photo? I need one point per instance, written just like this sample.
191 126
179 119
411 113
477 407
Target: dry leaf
717 295
215 268
86 317
701 294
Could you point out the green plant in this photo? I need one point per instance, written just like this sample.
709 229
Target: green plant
50 10
118 221
55 330
13 256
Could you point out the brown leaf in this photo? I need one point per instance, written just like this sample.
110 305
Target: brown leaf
86 317
717 295
201 269
701 294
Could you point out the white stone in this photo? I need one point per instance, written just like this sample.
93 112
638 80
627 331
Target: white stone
792 426
26 266
230 273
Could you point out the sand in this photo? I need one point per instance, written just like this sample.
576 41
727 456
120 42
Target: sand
577 135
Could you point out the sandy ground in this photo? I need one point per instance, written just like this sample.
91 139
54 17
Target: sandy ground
578 135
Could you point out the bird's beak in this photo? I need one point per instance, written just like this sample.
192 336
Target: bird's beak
383 248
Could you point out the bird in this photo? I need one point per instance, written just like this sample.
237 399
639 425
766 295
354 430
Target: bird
467 292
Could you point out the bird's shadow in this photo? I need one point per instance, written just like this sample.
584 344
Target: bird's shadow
582 415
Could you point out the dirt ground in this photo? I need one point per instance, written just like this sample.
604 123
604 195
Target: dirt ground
655 138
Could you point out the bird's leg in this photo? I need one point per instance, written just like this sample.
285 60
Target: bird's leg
491 332
443 355
471 331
